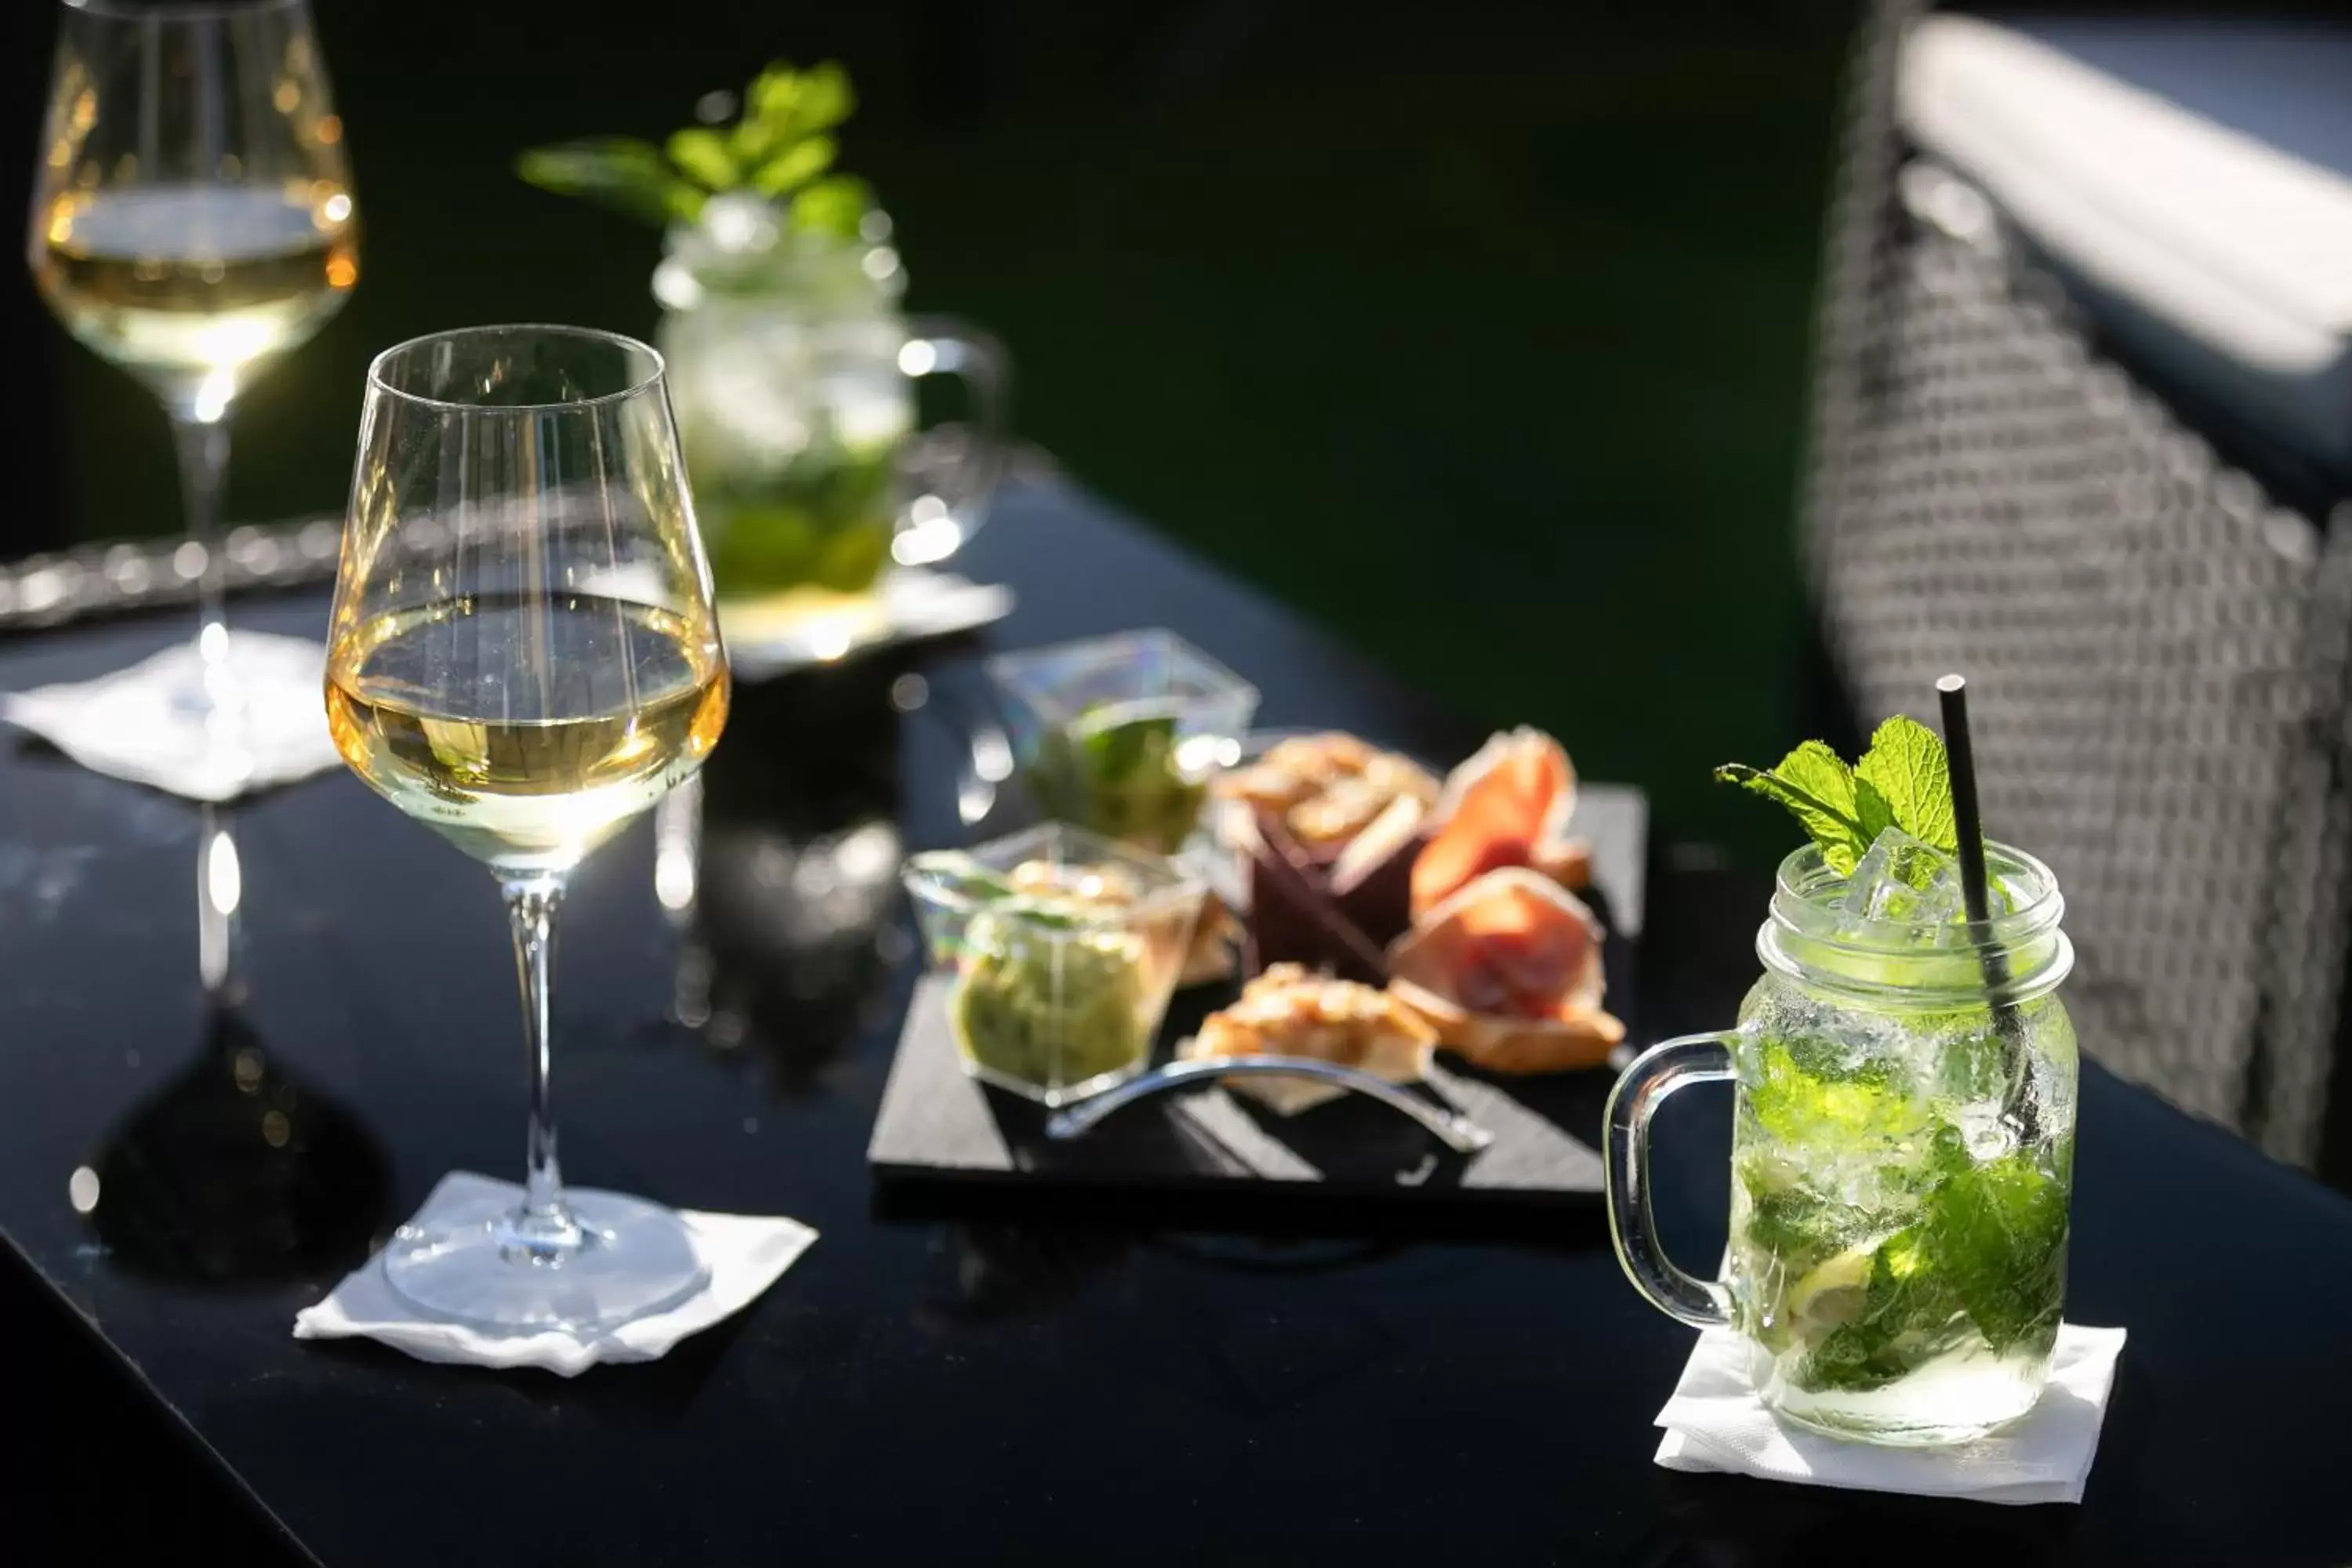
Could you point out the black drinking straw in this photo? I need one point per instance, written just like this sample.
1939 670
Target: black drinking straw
1952 691
1976 890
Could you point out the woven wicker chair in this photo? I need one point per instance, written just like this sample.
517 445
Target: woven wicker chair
2157 646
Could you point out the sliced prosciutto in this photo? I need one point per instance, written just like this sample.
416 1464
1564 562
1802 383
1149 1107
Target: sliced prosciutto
1508 805
1508 970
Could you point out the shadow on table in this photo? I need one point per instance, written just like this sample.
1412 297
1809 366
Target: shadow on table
1255 1214
237 1171
779 867
654 1393
1002 1271
1733 1522
237 1174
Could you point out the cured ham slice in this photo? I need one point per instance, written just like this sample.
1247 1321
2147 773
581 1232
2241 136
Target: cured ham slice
1507 806
1508 970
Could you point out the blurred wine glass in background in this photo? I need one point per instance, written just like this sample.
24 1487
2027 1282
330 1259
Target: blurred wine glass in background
193 220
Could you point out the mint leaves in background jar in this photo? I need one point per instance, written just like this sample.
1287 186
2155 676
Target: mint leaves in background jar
790 359
780 149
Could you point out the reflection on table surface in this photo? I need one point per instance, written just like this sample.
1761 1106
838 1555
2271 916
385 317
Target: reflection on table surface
779 867
237 1171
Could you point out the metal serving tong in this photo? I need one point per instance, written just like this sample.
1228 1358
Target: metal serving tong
1456 1132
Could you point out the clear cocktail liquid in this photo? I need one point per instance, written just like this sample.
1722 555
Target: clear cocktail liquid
1900 1176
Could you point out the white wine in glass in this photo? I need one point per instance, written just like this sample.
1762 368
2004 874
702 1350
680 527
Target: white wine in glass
191 221
523 657
193 287
637 699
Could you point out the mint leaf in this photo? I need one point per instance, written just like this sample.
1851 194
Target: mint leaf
772 94
1801 1230
1820 791
797 103
833 205
1872 809
795 165
778 147
824 98
1798 1096
1999 1234
1904 781
1907 1320
1907 765
1821 774
620 172
701 152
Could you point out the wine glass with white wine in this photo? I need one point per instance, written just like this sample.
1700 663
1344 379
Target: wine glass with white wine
523 657
191 221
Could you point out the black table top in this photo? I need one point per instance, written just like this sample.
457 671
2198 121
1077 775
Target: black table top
945 1379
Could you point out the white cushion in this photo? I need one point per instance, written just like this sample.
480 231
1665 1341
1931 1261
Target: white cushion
2238 249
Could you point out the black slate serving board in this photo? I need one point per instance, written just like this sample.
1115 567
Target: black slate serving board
936 1124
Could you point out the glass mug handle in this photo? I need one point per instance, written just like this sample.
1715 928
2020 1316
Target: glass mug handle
1656 1073
951 514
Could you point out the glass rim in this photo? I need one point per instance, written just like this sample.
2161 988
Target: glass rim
1809 937
1010 671
652 379
201 11
1803 872
1176 883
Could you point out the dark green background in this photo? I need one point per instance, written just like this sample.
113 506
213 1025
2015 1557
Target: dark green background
1477 332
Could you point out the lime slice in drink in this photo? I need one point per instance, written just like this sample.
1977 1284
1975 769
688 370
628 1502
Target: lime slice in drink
1833 1294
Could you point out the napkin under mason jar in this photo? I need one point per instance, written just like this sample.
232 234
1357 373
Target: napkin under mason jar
744 1254
1715 1423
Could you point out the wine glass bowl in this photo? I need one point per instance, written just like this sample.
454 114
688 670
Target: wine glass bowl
522 654
192 214
523 657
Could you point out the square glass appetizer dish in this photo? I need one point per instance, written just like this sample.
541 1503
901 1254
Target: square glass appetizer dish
1122 735
1064 947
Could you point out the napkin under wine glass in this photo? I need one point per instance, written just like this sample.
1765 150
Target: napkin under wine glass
744 1254
129 724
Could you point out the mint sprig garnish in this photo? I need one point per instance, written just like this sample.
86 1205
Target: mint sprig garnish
781 148
1904 781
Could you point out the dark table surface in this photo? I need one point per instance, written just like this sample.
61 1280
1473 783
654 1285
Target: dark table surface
947 1378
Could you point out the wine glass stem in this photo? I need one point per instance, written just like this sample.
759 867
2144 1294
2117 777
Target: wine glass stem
203 449
543 1229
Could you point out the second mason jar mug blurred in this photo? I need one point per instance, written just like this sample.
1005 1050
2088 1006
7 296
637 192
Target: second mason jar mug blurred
791 369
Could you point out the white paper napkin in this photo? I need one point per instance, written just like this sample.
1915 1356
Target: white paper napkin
134 723
910 602
1715 1421
745 1253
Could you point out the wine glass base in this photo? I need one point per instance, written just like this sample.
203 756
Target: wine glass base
633 1258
